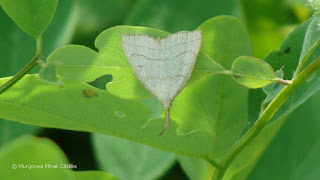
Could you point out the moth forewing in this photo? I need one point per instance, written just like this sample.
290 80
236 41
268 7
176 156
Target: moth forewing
163 66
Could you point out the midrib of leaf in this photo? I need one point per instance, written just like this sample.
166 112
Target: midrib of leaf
34 16
222 78
216 120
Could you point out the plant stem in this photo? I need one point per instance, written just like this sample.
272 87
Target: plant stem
284 82
264 118
25 69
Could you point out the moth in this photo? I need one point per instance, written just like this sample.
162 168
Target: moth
164 65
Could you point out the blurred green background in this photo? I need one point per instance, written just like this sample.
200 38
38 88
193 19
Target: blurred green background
80 21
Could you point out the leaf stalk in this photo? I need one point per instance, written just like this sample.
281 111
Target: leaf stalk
25 69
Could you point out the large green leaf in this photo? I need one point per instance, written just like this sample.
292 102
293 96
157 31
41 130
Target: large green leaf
32 16
179 15
243 164
34 158
17 48
211 104
130 160
79 106
294 152
79 63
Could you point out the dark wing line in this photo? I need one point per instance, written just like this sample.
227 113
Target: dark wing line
157 59
177 44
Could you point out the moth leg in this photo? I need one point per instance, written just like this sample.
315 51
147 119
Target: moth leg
167 125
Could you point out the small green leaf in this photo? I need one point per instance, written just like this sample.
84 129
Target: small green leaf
252 72
33 16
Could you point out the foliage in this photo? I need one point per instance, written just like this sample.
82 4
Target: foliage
37 158
220 128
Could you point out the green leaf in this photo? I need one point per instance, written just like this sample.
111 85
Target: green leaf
310 86
129 160
289 52
17 49
32 16
252 72
79 63
311 40
294 152
210 104
10 130
79 106
279 59
30 157
85 175
163 14
196 168
288 61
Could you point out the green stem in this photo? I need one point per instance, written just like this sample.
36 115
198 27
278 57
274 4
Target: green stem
25 69
264 118
282 81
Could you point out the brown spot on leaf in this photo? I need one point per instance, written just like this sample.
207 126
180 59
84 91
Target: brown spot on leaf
88 93
287 50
